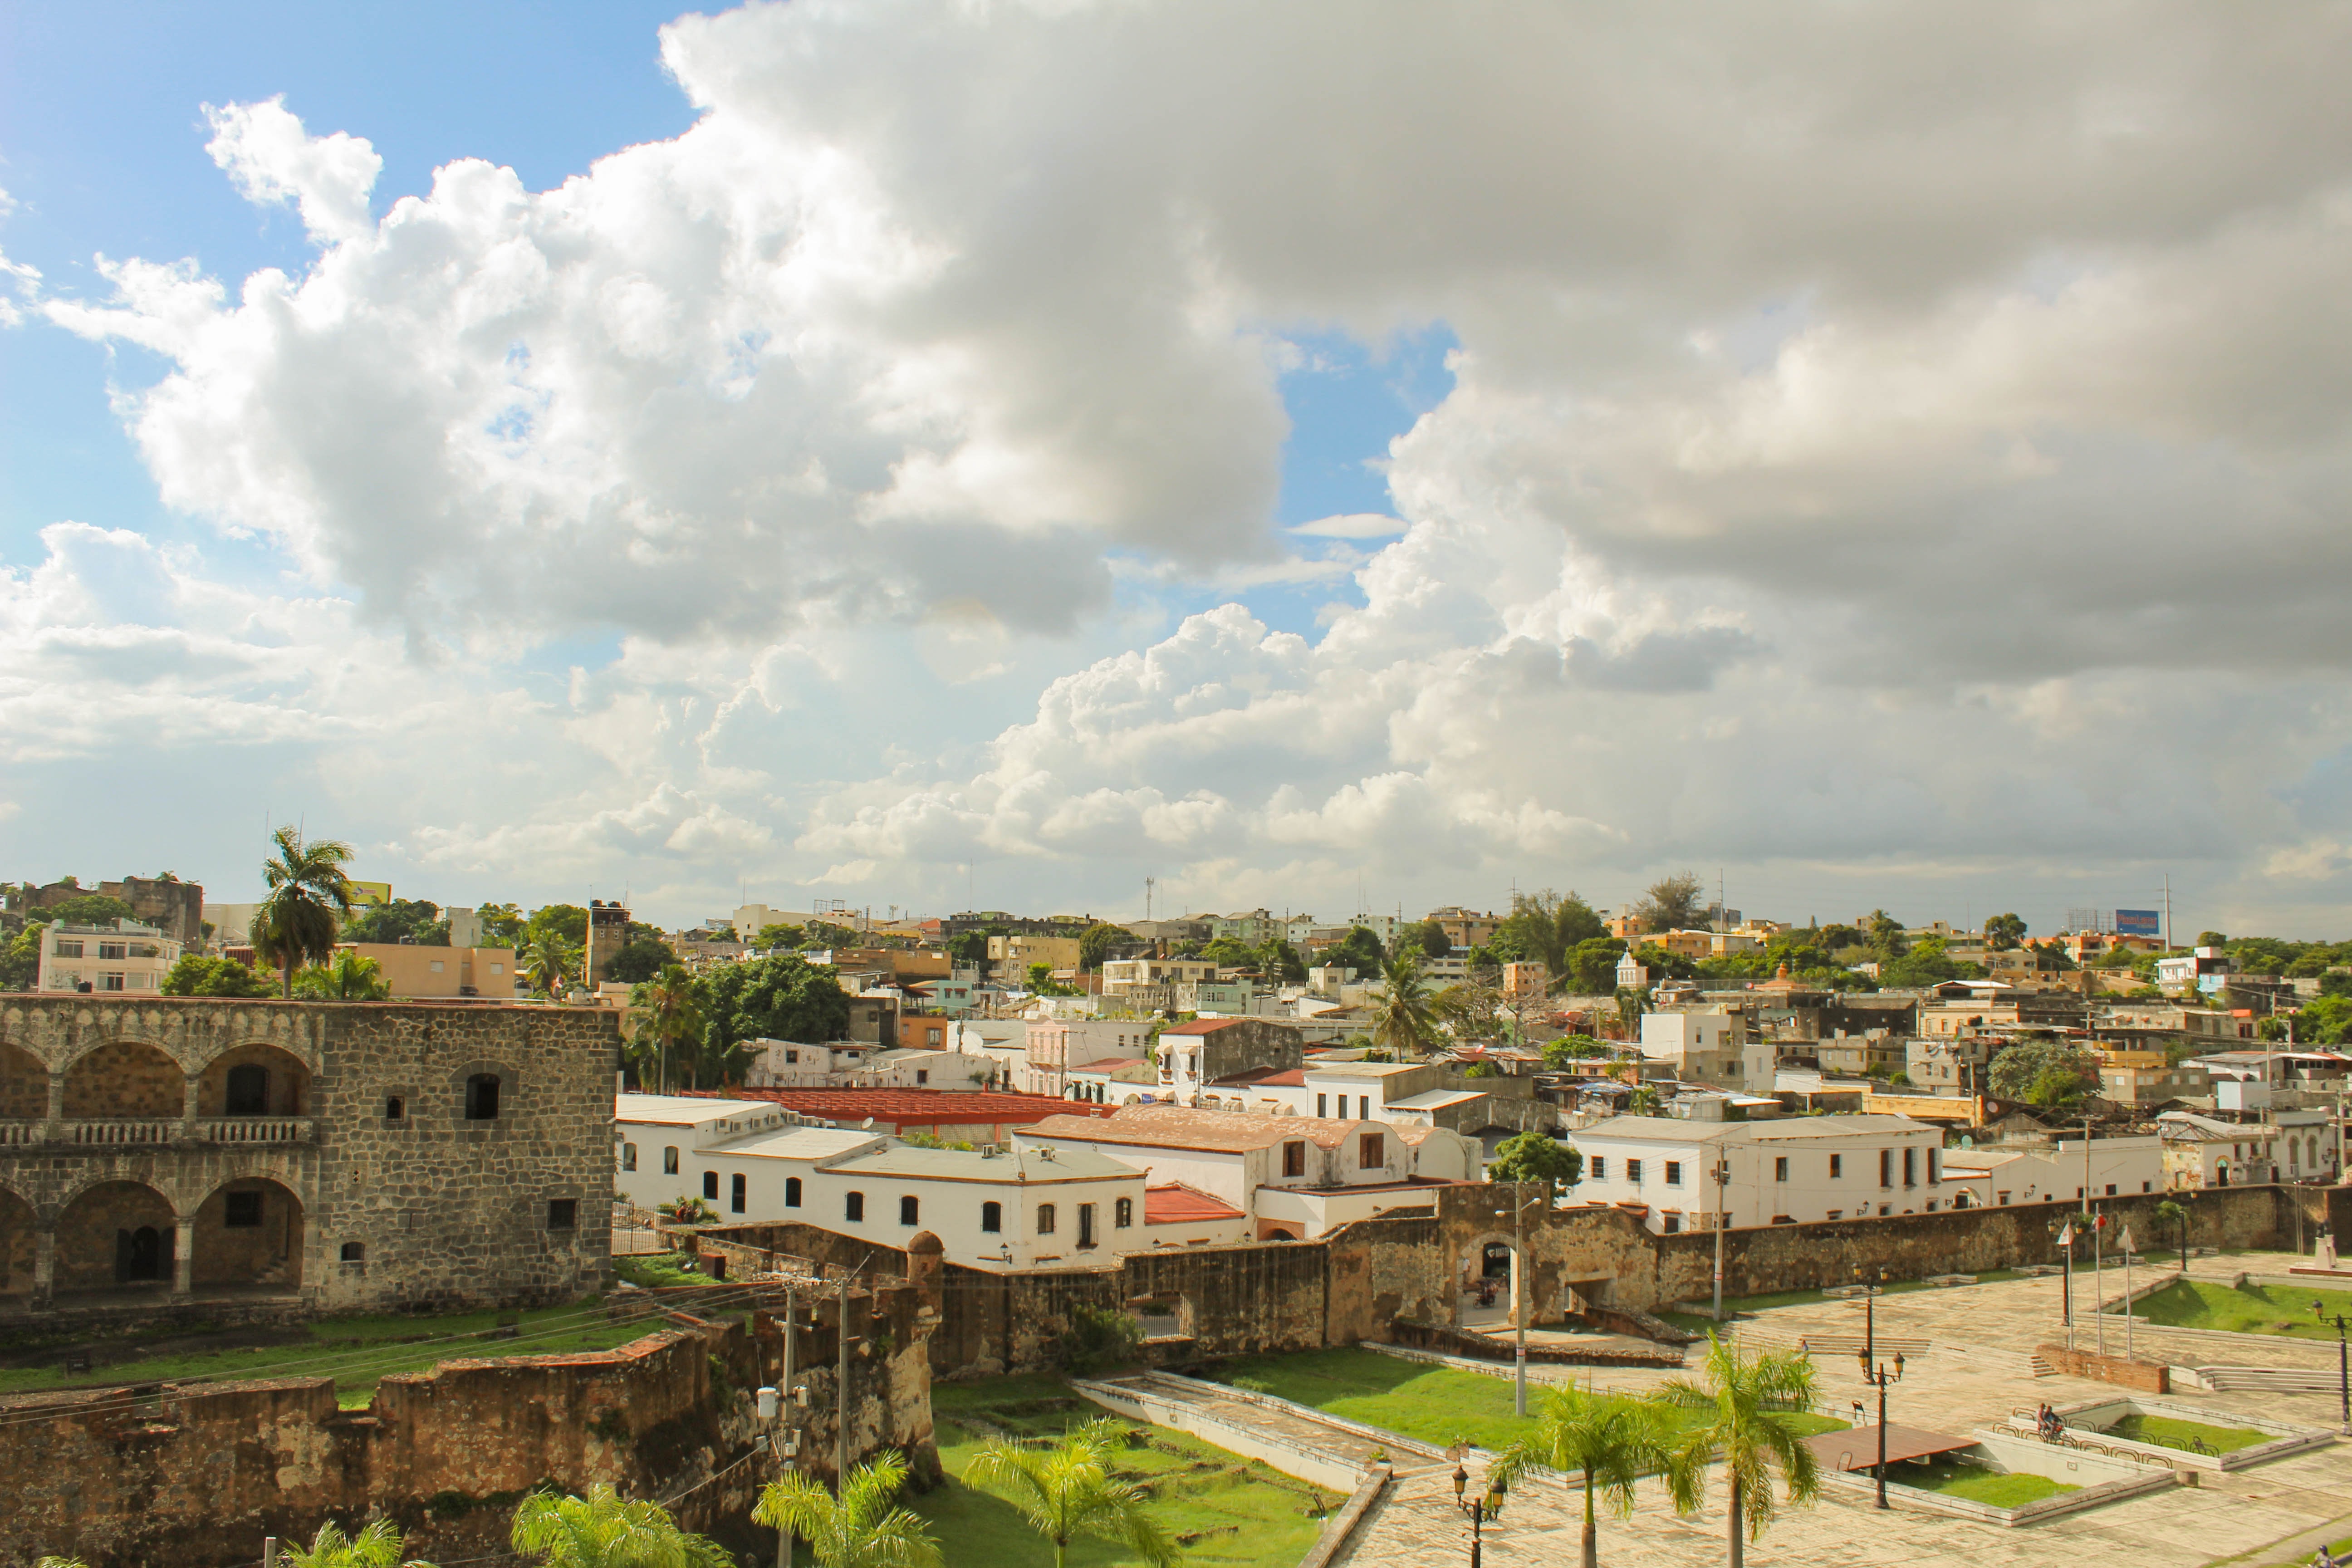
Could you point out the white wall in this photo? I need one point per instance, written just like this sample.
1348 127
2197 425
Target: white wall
1757 1192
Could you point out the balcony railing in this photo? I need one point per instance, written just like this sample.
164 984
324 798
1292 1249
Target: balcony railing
133 1133
17 1134
258 1129
117 1134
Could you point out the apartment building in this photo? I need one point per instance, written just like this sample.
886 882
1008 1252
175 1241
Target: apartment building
126 957
1711 1043
2063 1170
1771 1173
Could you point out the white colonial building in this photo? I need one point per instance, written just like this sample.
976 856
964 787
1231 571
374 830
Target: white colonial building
1788 1172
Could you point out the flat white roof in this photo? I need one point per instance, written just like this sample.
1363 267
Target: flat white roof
679 1109
797 1143
1435 1098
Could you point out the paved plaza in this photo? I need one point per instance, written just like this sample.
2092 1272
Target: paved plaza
1979 1368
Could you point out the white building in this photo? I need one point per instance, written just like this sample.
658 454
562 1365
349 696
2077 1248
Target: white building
1296 1177
1796 1171
2201 1151
1055 1046
1710 1043
2001 1174
1020 1208
125 957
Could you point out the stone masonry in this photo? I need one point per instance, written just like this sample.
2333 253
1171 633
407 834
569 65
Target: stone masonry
316 1156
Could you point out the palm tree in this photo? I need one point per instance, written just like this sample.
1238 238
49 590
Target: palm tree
295 921
376 1546
349 977
1068 1491
2171 1213
669 1010
1743 1396
1613 1441
601 1531
859 1530
546 962
1401 1025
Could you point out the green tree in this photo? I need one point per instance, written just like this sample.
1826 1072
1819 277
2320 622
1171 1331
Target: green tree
1611 1442
864 1528
670 1017
91 909
969 948
1742 1399
378 1545
1672 902
1431 937
640 958
502 925
402 920
1884 934
1928 964
546 961
196 976
783 997
1069 1493
1643 1101
2004 932
2048 1073
308 894
569 922
1100 939
20 960
1536 1157
2175 1218
1400 1017
1592 965
1360 949
779 935
1230 952
346 977
1632 1003
1559 1053
601 1531
1281 962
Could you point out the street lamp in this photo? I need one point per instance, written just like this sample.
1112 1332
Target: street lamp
1479 1509
1878 1377
2343 1360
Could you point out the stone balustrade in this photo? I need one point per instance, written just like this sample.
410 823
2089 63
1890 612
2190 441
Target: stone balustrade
258 1129
119 1134
133 1132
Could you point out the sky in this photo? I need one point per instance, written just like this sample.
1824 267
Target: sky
946 453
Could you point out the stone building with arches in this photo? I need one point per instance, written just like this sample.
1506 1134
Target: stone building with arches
300 1156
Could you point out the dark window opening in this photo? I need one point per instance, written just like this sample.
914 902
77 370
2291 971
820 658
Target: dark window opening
1045 1219
142 1254
907 1209
628 1156
1495 1261
670 1162
1294 1159
562 1213
1122 1214
482 1097
355 1252
395 1109
710 1185
991 1217
853 1206
248 1091
792 1192
1086 1224
738 1190
241 1211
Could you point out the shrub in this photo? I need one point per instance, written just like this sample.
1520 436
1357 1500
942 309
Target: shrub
1097 1337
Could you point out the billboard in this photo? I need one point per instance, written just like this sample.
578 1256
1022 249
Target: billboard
370 893
2140 922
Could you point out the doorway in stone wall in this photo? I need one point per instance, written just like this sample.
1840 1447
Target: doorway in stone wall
1483 1299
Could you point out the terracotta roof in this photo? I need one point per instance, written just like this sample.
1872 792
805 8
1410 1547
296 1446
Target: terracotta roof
1177 1204
1295 1077
1202 1027
920 1107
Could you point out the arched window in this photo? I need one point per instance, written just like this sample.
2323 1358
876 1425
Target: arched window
248 1091
482 1097
1045 1219
395 1109
1122 1214
853 1206
907 1209
710 1185
628 1156
669 1160
991 1217
792 1192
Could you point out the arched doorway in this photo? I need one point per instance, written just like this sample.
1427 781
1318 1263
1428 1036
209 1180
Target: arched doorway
253 1080
1486 1287
24 1086
18 1226
117 1235
249 1236
127 1080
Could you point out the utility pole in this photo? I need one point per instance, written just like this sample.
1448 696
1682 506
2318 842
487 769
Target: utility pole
1519 1295
840 1390
2167 911
1722 1180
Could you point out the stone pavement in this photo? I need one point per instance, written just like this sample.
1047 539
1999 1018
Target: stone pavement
1976 1371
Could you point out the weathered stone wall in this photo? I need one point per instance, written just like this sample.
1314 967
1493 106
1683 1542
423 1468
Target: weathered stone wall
437 1210
192 1477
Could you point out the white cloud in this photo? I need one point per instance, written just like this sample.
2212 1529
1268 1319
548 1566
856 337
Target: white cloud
1352 525
271 159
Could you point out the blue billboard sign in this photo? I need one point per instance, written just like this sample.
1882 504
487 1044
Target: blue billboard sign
2140 922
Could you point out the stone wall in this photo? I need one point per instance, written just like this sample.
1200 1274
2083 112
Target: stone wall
188 1476
2145 1376
175 908
421 1209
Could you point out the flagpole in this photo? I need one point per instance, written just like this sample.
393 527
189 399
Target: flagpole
2066 1240
2098 1290
2129 1355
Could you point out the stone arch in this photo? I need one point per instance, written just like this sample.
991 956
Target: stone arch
24 1084
19 1224
125 1081
462 1093
1486 1289
229 1082
116 1236
248 1232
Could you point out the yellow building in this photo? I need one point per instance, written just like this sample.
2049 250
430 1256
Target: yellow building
411 971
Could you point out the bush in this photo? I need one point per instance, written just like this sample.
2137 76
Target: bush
1097 1337
195 975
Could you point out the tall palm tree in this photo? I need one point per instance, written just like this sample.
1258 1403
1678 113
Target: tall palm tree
1402 1023
1068 1491
309 894
861 1529
376 1546
1745 1396
601 1531
669 1014
349 976
1613 1442
546 962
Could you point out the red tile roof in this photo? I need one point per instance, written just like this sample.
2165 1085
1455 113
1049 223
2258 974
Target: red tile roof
918 1107
1177 1204
1202 1025
1295 1077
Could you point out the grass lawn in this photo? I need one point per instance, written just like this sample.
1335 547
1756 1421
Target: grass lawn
1975 1483
2166 1432
357 1352
1434 1404
2248 1309
1221 1507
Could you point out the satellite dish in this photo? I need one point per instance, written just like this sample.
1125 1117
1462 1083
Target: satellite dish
867 1124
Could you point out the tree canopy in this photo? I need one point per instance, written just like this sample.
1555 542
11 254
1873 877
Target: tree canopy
640 959
1095 946
780 997
2048 1073
2004 932
402 920
1672 903
196 976
1360 949
1536 1157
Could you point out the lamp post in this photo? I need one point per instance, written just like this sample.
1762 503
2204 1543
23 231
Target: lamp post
2342 1361
1479 1509
1878 1377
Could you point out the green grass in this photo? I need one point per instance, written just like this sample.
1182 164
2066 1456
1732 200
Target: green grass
1434 1404
1975 1483
357 1352
655 1269
1223 1510
2166 1432
2248 1309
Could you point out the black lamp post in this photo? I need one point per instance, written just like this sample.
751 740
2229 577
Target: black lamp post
1878 1377
1479 1509
2343 1360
